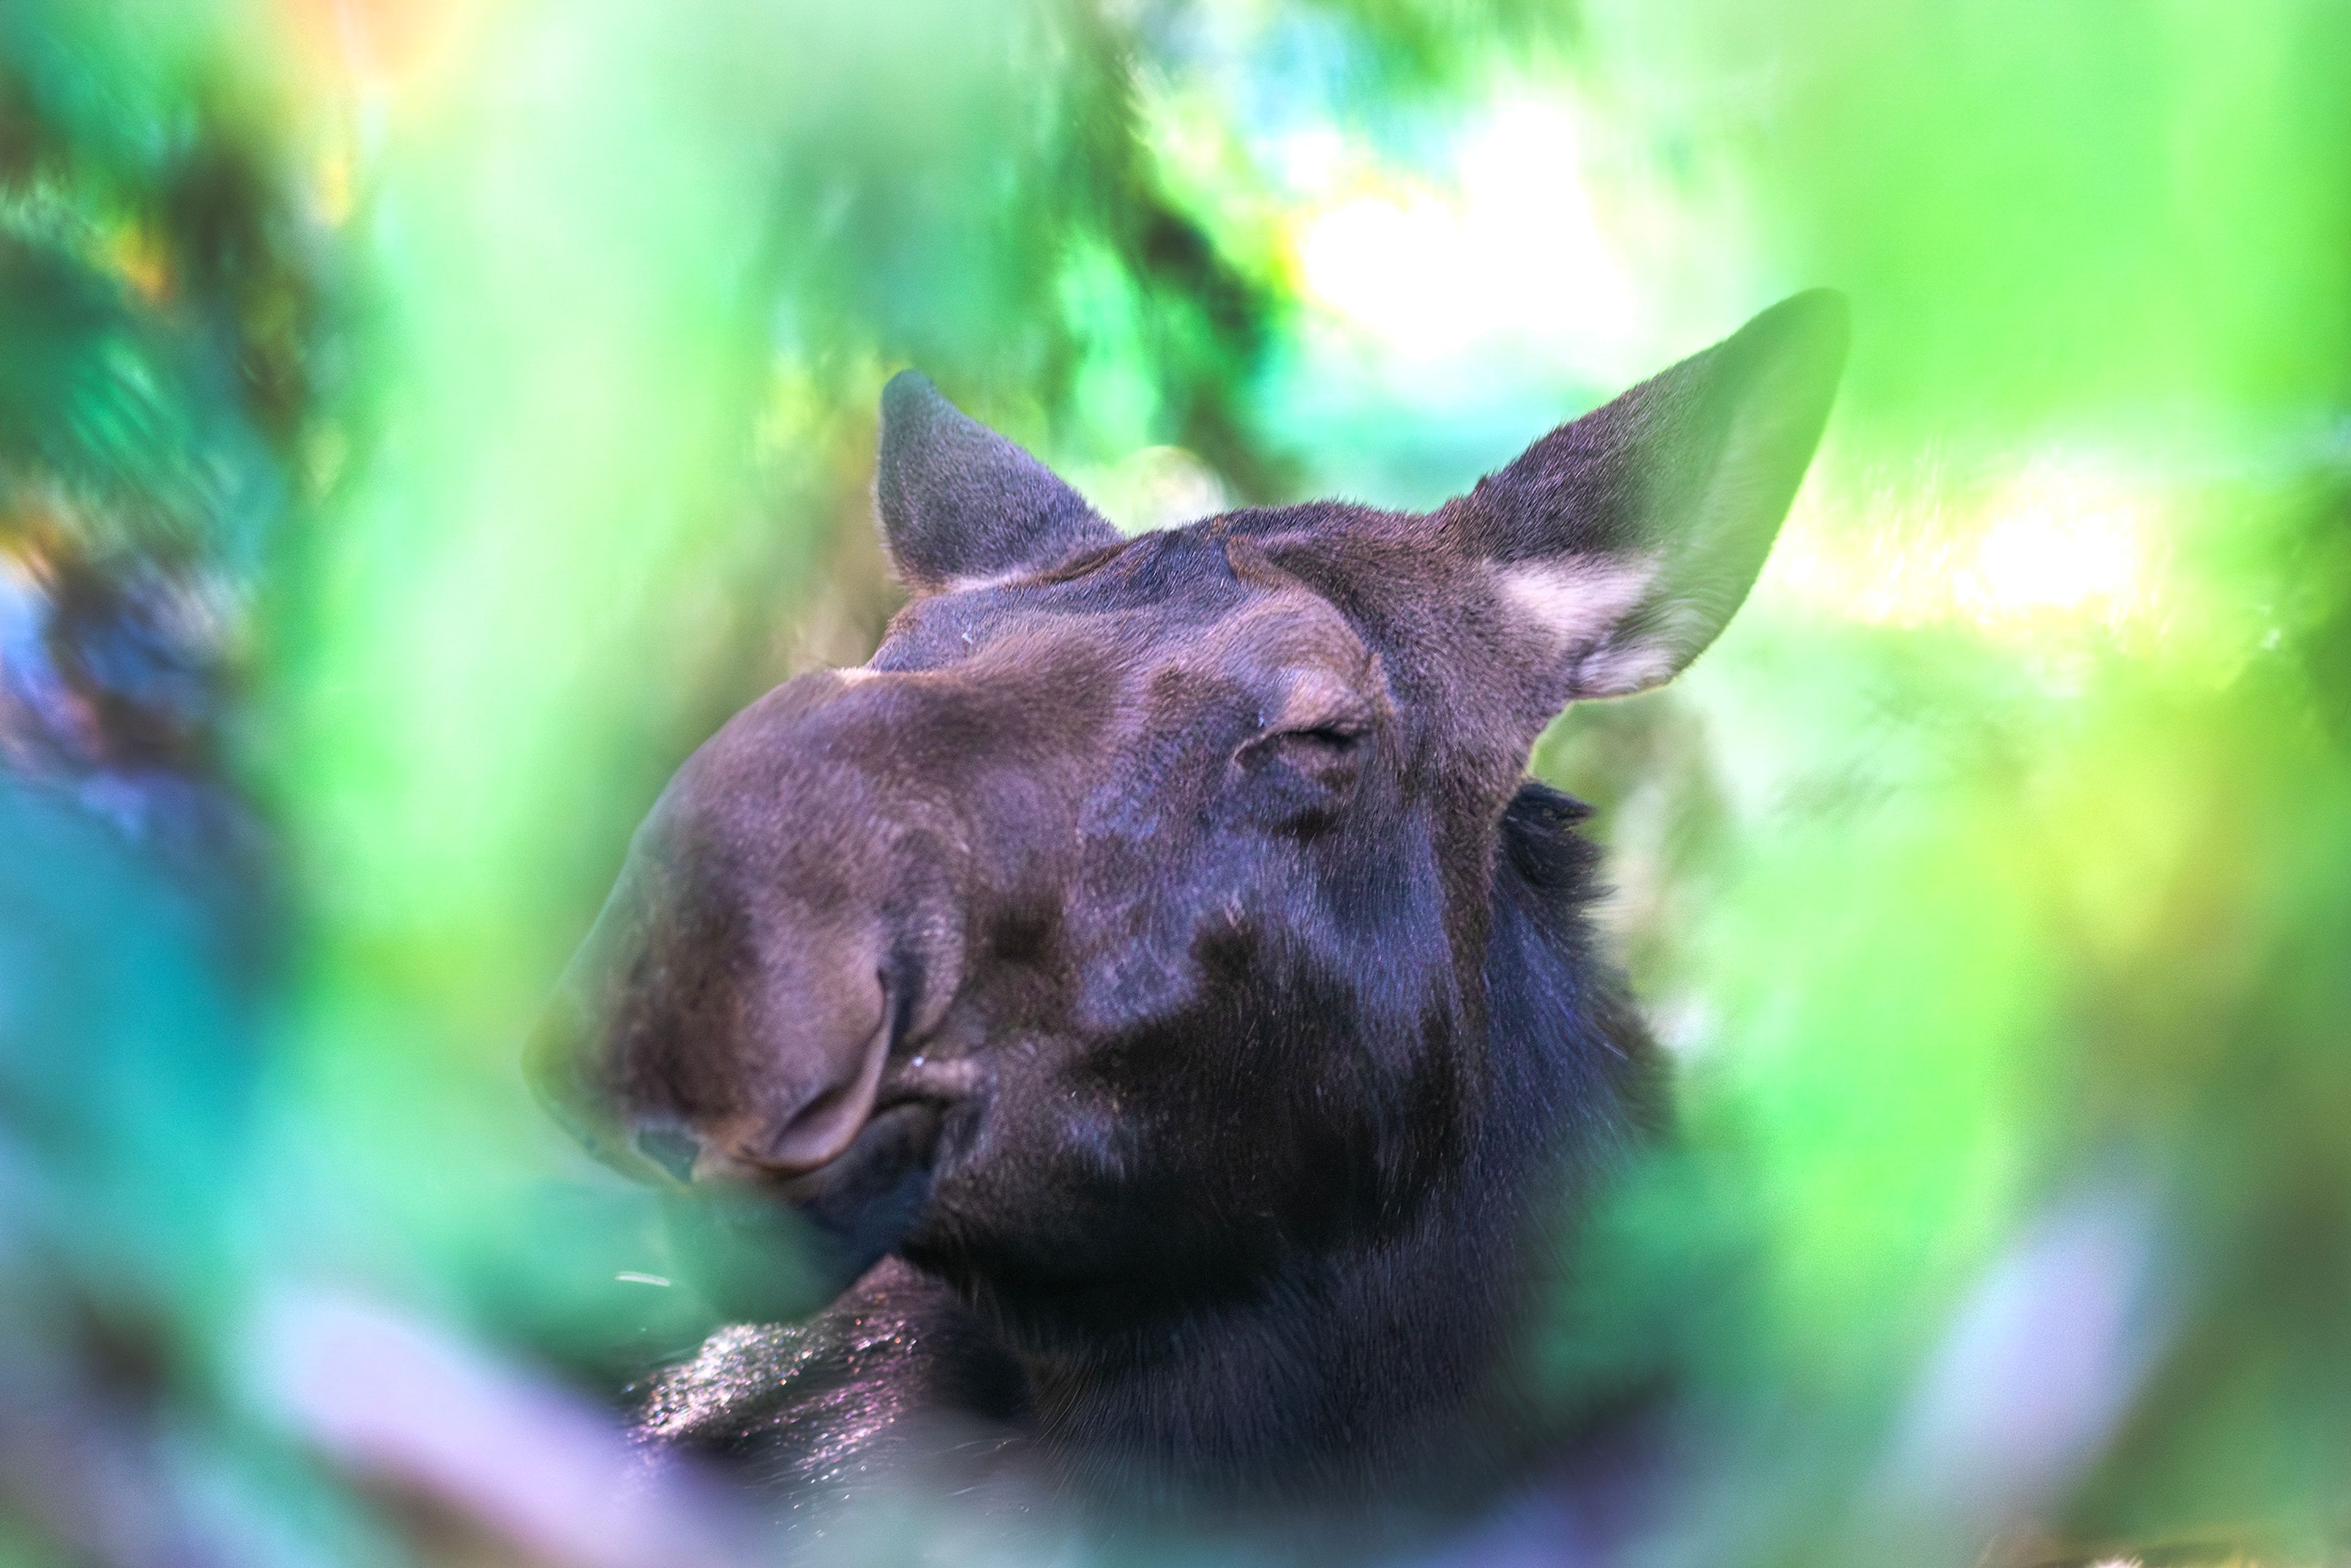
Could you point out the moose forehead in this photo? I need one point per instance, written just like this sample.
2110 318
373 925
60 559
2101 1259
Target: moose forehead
1187 641
1190 619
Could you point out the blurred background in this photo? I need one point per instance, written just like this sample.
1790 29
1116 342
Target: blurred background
422 422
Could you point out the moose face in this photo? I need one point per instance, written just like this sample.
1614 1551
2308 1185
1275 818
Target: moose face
1119 930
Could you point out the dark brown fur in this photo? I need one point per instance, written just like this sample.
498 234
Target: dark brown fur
1158 953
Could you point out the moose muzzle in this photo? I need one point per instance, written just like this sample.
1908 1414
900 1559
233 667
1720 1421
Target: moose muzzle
785 915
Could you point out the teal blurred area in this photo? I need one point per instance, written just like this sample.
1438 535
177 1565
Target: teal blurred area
421 423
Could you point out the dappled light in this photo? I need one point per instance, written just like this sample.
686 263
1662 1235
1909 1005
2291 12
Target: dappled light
423 425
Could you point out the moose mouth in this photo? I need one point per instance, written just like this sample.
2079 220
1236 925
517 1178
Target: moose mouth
769 1249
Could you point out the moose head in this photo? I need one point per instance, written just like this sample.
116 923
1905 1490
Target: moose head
1139 932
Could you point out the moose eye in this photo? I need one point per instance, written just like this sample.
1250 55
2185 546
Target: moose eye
1330 737
1306 767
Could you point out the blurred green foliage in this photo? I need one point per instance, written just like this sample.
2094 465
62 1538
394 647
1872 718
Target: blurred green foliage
420 425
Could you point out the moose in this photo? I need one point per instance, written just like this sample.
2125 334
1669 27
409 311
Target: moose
1154 970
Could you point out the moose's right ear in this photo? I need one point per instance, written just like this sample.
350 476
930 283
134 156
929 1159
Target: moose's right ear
960 505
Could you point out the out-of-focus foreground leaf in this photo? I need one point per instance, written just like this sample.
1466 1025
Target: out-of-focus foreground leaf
421 423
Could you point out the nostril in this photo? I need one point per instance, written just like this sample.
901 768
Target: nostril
672 1150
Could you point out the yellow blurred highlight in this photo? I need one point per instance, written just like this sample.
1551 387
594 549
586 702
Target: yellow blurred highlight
332 188
135 254
2066 542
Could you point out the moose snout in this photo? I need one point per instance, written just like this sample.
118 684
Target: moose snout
790 912
775 1087
749 1071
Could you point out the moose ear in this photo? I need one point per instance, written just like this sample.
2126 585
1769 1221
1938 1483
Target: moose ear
961 505
1622 543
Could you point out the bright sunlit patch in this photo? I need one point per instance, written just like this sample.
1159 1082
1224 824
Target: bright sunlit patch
1157 487
2070 542
1542 239
2064 539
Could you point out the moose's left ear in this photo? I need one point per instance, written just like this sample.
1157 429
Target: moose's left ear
1621 543
960 504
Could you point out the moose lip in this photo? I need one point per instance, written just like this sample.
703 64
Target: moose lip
900 1128
770 1249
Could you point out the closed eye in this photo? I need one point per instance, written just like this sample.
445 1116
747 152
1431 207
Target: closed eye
1307 771
1329 736
1325 751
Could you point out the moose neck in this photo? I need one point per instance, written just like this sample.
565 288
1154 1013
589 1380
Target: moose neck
1368 1366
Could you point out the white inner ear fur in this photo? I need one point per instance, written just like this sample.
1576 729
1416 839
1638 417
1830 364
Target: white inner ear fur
1574 604
1623 669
